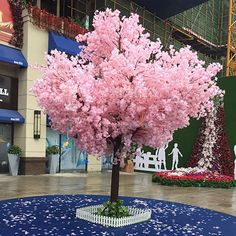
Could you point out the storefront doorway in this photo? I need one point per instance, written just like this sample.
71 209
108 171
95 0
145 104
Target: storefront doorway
5 141
71 158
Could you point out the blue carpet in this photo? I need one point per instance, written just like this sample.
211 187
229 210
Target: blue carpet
55 215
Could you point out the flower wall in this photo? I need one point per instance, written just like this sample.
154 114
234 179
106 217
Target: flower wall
211 150
222 153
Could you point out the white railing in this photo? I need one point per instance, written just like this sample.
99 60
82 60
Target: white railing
147 162
136 215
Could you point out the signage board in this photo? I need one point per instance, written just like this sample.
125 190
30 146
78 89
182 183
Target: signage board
8 92
6 22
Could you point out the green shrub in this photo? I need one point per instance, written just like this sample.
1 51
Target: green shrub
113 209
52 150
15 150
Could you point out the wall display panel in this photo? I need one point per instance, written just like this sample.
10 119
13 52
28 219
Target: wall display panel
8 92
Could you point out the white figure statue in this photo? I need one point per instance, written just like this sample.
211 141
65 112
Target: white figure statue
162 156
175 151
235 162
138 159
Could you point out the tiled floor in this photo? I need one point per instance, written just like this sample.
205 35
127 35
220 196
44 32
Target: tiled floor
138 185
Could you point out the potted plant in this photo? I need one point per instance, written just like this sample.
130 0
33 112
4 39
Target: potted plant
14 153
53 158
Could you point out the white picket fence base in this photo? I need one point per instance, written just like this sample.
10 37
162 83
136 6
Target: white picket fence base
136 216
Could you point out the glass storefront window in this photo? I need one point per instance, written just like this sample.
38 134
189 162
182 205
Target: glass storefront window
71 158
107 162
74 9
50 6
5 141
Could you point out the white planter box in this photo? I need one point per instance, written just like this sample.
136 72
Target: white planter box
14 162
53 163
136 216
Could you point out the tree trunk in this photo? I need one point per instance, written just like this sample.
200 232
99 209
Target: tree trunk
115 183
115 170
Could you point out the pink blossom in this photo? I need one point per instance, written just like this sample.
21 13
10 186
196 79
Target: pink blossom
124 85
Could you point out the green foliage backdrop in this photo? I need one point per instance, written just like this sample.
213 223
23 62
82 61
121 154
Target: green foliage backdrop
229 85
186 137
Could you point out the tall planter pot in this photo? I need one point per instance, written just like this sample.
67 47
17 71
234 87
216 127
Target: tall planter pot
53 163
14 161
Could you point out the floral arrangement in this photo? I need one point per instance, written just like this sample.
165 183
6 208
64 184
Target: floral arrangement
42 19
16 9
47 21
211 150
210 140
221 149
194 177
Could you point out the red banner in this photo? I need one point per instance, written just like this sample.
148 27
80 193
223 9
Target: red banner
6 22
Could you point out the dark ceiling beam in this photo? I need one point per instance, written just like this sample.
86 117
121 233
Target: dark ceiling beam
167 8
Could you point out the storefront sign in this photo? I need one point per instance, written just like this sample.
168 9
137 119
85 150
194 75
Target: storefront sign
6 22
8 92
4 92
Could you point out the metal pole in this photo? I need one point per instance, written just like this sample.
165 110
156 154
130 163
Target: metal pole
60 144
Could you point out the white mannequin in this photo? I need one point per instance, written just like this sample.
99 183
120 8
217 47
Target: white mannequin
162 155
176 153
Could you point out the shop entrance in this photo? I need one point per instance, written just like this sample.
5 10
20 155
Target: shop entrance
5 141
71 158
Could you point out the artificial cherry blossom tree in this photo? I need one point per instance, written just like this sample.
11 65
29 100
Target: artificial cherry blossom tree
123 89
